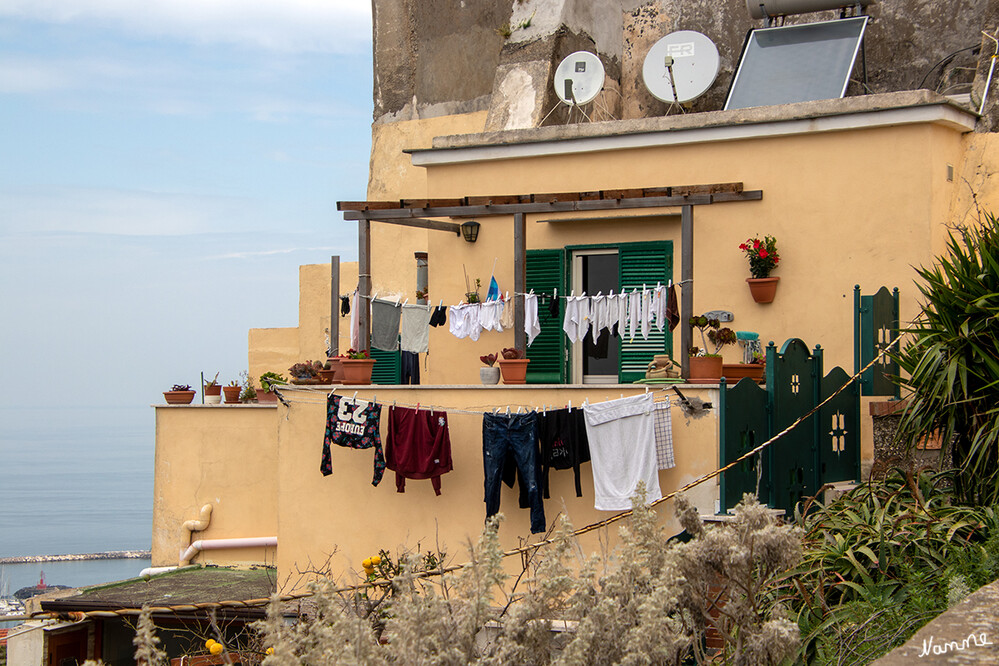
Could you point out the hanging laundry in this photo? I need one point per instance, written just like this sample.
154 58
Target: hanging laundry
385 324
562 435
553 307
621 436
353 424
344 306
599 315
659 307
634 312
672 308
512 435
409 368
417 446
439 317
577 318
355 323
414 328
506 321
490 314
531 324
465 321
663 424
646 320
619 313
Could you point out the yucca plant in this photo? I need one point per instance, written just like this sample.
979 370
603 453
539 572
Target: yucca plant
952 359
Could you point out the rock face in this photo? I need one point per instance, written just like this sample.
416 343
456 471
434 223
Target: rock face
443 57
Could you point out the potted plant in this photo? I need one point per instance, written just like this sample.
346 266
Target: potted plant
305 373
472 296
232 391
706 367
268 381
513 366
213 391
357 367
180 394
489 374
327 374
733 372
249 394
763 258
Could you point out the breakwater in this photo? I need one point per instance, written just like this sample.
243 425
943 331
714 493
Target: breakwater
78 557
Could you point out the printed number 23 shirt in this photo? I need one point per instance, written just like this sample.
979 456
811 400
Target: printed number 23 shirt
353 423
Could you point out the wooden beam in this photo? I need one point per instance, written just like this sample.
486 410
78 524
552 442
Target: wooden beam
519 278
366 205
335 304
686 286
422 223
364 281
430 203
511 209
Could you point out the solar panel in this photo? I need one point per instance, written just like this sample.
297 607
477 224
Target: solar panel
796 63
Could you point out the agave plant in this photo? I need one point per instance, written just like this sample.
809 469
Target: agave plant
952 360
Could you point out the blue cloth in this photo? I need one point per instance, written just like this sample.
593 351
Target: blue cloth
493 293
515 435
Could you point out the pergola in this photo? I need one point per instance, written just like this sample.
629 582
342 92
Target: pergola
420 213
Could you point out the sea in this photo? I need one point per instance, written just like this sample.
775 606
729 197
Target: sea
75 480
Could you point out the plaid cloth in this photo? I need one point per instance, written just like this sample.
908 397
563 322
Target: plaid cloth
663 423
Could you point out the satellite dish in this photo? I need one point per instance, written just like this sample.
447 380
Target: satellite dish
693 59
579 78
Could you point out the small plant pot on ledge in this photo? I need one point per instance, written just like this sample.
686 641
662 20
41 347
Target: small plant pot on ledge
232 394
357 370
213 394
733 372
489 375
763 289
514 370
178 397
705 369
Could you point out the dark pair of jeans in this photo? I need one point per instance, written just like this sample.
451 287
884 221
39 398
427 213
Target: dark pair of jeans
512 435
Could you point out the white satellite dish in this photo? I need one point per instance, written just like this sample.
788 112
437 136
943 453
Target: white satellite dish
579 78
681 66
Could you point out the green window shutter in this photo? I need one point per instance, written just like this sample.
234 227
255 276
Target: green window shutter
546 271
644 264
388 366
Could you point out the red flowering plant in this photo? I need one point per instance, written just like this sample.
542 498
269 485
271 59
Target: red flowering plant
356 355
763 256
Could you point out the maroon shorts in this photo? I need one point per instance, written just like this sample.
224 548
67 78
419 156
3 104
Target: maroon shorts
417 446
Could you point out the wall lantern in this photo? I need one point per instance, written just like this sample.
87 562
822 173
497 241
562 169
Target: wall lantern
470 230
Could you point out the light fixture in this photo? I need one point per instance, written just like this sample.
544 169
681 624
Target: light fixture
470 230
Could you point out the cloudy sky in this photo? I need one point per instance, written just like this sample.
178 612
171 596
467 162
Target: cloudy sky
165 166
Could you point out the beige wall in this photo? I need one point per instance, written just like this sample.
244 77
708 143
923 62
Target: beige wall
277 349
345 517
855 207
219 455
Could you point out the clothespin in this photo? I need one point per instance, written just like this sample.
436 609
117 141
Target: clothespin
431 410
496 410
544 409
508 410
519 407
374 399
556 293
417 406
404 304
374 296
355 397
441 303
397 299
646 389
570 404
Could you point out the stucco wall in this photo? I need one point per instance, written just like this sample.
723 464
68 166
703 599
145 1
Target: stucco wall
345 518
219 455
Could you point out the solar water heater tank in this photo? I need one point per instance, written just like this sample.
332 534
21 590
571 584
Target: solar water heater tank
761 9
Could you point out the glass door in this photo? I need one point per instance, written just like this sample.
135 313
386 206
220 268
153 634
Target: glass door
596 361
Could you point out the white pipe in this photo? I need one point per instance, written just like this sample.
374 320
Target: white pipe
217 544
152 571
204 518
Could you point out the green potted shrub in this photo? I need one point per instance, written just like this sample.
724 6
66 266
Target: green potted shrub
489 374
706 367
513 366
180 394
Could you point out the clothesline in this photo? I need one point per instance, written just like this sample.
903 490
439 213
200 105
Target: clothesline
399 300
477 410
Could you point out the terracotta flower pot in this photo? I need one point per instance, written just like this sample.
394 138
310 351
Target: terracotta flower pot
178 397
266 397
733 372
337 369
326 376
232 394
763 289
213 394
514 370
357 370
705 369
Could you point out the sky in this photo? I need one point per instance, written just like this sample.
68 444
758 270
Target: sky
165 167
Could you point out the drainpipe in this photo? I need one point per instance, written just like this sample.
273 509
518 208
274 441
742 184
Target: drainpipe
218 544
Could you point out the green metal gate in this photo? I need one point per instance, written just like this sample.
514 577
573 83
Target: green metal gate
875 325
823 448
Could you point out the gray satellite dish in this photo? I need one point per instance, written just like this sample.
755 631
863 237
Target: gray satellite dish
681 66
579 78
